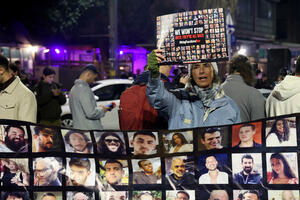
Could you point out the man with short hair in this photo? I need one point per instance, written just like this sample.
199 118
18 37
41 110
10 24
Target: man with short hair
144 143
211 138
180 178
218 195
15 196
182 195
251 195
246 133
48 196
43 138
147 176
213 176
78 142
284 99
114 195
85 113
248 175
17 102
80 170
46 172
80 196
14 140
146 196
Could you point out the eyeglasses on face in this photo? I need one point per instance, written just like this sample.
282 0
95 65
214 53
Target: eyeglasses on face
111 140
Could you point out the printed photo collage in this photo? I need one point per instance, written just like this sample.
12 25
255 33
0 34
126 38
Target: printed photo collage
249 159
180 46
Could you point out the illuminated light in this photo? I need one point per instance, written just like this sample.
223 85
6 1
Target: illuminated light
121 52
57 51
33 49
65 51
242 51
46 50
121 68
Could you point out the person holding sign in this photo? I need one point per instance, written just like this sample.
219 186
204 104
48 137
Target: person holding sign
201 103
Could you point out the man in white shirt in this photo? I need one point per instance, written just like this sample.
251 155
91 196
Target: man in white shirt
213 176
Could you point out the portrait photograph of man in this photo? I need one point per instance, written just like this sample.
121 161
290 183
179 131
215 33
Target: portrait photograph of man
147 195
178 142
212 138
45 139
77 141
114 195
180 195
212 169
10 195
14 172
113 173
180 172
110 143
246 135
247 195
80 172
80 196
47 195
247 168
47 171
143 142
146 171
13 139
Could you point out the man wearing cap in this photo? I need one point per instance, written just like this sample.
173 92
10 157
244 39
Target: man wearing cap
49 99
17 102
85 113
201 103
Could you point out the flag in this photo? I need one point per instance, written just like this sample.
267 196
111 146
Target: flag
230 29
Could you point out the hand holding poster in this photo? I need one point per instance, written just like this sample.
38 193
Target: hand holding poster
192 36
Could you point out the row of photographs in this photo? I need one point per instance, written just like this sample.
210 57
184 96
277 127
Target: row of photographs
177 172
280 132
157 195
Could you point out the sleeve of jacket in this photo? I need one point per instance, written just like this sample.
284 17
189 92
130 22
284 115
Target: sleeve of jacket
90 110
62 98
43 96
257 104
160 98
28 108
237 118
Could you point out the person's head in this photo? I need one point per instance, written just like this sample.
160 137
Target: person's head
80 169
146 166
77 139
280 166
211 163
281 128
178 167
247 163
240 64
48 196
218 195
114 172
143 142
89 74
14 196
115 195
204 74
211 138
14 69
111 143
246 132
288 195
146 196
45 170
44 137
12 166
80 196
297 66
48 75
4 69
14 137
178 139
250 195
182 195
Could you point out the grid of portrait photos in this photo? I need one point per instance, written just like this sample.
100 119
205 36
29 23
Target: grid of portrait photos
254 160
192 36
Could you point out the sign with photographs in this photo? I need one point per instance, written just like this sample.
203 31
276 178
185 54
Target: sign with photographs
192 36
255 160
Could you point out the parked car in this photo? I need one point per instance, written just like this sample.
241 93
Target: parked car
106 92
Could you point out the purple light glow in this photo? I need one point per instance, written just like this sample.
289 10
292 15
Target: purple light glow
57 51
121 52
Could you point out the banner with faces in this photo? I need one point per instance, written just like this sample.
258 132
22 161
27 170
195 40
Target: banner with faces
255 160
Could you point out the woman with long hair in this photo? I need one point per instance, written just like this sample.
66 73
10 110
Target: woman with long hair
110 143
279 133
282 173
180 144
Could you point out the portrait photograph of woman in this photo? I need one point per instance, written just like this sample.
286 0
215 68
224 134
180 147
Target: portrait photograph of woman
178 142
281 132
282 168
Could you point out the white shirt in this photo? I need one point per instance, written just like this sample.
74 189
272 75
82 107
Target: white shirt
222 178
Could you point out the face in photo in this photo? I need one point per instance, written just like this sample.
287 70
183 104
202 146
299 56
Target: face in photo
110 143
13 139
77 141
143 142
